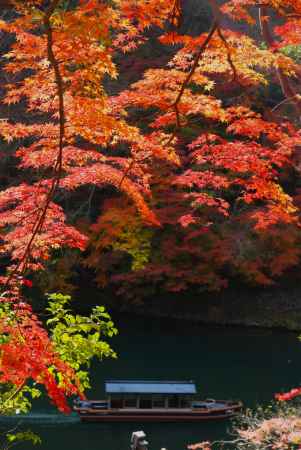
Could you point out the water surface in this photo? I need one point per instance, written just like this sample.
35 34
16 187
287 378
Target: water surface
237 363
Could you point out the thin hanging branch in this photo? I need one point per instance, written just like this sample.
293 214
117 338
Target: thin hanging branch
217 16
195 64
286 88
187 80
215 27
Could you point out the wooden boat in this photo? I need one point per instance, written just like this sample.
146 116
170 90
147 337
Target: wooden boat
153 401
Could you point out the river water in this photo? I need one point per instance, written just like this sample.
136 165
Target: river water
236 363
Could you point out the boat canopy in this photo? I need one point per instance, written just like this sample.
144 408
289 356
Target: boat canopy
149 387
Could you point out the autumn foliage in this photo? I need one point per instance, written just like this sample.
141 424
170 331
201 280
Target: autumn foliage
231 207
205 163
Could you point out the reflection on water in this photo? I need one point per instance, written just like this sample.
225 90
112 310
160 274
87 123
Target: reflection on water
39 418
225 363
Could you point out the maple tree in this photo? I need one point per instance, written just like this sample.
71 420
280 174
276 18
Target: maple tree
237 157
209 161
59 69
275 427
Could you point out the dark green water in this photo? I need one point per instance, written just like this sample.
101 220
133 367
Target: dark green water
227 363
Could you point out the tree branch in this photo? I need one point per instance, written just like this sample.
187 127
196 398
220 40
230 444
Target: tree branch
57 169
195 63
286 88
217 16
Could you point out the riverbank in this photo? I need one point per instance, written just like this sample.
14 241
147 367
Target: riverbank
276 307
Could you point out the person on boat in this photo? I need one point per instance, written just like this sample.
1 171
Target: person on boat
81 403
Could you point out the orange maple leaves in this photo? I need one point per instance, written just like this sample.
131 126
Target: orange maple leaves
215 167
233 159
61 58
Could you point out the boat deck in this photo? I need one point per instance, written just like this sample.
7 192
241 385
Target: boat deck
153 401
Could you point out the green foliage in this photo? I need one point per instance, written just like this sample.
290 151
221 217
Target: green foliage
77 338
7 314
13 438
22 436
137 243
293 51
15 400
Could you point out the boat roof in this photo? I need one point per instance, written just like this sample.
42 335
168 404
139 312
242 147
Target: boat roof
149 387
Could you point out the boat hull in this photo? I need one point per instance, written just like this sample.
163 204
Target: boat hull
152 418
159 416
